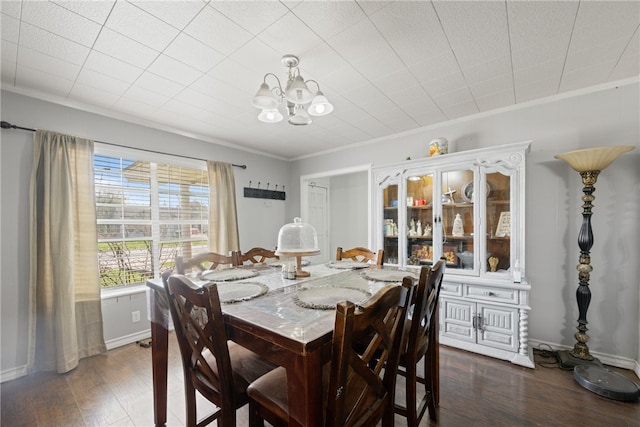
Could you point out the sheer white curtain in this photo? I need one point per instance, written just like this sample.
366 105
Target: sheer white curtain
223 219
66 315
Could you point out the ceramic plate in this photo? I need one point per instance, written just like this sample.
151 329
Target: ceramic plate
228 274
467 191
326 297
387 275
348 265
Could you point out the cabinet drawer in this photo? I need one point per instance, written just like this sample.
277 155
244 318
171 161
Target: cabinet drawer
492 294
451 289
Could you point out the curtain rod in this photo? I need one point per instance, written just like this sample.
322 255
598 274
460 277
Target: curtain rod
7 125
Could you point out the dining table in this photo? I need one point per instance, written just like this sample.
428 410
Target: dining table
288 322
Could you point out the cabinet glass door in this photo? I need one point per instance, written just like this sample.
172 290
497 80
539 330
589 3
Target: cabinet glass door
498 230
390 198
458 219
419 220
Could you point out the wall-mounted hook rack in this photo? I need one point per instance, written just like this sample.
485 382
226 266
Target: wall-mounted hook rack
264 194
261 193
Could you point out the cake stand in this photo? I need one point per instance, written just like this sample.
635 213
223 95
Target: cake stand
298 255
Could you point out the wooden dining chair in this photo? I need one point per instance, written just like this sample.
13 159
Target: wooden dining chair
256 255
360 385
205 261
421 342
218 369
361 254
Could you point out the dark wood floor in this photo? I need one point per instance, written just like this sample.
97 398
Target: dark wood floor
115 389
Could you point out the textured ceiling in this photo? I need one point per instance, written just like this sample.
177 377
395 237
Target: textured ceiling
387 66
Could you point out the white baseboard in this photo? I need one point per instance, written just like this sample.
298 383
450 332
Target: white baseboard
13 373
21 371
607 359
128 339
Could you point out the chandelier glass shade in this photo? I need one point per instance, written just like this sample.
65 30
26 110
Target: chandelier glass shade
270 115
296 98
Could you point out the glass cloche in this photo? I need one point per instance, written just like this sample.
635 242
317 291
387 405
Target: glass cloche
297 238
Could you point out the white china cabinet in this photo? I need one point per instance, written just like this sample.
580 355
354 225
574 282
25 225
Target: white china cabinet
468 207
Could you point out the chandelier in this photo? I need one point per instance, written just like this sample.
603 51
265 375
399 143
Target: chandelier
298 100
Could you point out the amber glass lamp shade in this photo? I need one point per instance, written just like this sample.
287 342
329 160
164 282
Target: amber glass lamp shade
593 159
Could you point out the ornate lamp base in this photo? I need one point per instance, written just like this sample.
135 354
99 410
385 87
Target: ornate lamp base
568 361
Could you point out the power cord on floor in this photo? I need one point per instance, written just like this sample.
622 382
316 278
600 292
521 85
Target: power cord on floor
144 343
545 351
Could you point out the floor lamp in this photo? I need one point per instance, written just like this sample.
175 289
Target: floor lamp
589 163
587 370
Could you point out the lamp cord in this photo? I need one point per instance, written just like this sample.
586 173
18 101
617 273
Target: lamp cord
545 351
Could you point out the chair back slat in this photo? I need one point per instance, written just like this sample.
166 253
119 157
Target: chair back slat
200 331
421 343
256 256
424 310
360 391
205 261
360 254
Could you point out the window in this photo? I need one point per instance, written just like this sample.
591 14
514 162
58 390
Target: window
148 212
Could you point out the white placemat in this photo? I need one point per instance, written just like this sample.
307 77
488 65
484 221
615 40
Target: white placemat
348 264
287 261
228 274
387 275
326 297
240 291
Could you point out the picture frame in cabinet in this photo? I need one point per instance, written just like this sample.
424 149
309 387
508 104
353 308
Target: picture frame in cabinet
424 253
450 253
504 225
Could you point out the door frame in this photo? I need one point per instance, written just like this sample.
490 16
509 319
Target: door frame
305 180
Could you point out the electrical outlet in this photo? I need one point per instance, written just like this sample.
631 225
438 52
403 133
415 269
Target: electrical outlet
135 316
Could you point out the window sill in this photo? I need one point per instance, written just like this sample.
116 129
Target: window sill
119 292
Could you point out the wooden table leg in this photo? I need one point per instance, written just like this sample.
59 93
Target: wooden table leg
159 361
304 382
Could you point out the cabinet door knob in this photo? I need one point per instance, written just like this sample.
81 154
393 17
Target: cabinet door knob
489 294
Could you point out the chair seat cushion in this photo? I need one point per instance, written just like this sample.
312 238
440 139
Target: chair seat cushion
270 390
246 365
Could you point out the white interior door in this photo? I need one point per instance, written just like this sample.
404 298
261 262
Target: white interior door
315 207
319 218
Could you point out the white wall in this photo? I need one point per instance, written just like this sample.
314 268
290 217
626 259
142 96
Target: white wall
349 207
607 116
259 220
